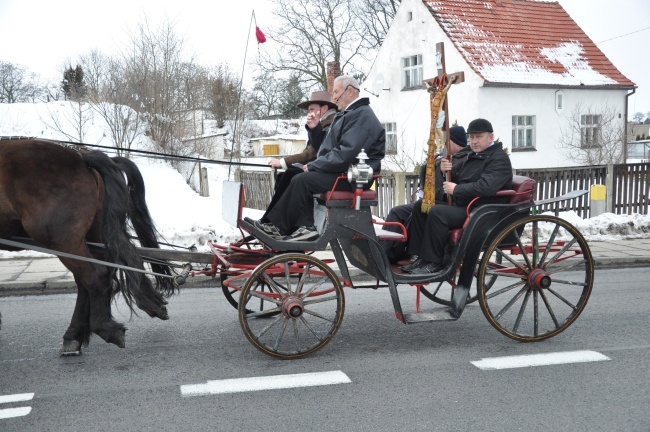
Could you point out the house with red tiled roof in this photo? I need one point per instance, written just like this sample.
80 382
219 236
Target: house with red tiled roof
528 68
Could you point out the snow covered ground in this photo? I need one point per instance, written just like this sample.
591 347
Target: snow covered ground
184 218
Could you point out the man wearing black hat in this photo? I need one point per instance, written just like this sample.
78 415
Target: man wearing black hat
485 170
320 114
403 213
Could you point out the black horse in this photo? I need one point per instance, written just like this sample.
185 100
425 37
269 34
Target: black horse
63 197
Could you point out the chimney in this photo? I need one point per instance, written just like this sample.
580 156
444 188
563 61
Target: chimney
333 70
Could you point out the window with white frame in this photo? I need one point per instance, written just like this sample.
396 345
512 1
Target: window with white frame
391 138
523 132
412 71
590 130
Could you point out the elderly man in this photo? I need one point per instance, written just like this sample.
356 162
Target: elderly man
320 114
354 128
484 171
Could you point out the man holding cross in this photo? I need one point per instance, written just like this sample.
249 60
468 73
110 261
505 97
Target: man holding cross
485 170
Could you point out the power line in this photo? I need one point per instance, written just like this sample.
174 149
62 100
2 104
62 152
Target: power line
626 34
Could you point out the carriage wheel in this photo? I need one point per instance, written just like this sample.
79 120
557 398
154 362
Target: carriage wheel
242 262
442 292
306 306
543 281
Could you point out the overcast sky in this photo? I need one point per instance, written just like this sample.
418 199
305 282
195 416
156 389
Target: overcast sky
44 35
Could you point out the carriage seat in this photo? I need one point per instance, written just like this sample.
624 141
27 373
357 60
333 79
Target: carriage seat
521 190
339 198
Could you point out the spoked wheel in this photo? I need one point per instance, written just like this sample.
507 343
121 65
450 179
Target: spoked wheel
242 262
231 286
440 292
306 306
542 282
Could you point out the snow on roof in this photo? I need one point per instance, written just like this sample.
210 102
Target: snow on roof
524 42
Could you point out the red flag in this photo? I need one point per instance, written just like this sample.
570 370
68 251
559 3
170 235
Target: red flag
259 35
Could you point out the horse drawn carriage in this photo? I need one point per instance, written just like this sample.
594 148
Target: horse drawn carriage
532 274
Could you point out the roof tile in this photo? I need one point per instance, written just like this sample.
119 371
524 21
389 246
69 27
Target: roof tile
524 42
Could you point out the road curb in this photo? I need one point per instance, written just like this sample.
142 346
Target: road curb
50 287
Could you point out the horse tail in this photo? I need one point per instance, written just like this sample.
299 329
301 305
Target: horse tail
142 222
134 286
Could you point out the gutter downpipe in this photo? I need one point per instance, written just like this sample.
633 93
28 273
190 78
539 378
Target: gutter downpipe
627 102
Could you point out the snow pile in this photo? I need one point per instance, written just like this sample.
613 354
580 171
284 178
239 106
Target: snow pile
185 218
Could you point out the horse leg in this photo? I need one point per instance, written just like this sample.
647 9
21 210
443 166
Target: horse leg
78 332
93 308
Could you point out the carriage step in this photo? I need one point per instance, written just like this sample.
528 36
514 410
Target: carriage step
437 315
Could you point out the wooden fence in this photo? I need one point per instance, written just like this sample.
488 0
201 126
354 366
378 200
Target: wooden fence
627 185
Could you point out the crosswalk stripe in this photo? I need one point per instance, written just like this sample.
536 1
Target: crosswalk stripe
547 359
14 412
20 397
265 383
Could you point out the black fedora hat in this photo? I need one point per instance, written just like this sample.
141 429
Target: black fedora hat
320 98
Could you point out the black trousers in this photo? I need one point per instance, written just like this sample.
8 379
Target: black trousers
429 232
396 250
281 184
295 208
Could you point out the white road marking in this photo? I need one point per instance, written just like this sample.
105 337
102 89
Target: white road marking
14 412
16 397
512 362
265 383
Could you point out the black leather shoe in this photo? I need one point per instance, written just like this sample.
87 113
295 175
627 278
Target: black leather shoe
408 267
426 268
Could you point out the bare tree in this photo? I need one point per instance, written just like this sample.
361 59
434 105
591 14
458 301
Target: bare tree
154 73
223 94
593 135
72 124
110 98
375 17
638 117
13 83
309 35
266 95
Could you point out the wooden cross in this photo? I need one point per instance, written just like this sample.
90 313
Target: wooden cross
454 78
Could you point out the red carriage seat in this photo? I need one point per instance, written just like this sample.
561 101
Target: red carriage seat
521 190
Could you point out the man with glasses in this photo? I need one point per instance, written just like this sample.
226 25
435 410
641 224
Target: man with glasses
485 170
355 128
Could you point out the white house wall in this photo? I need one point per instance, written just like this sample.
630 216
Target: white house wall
410 109
499 105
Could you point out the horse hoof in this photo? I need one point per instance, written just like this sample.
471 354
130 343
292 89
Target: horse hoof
120 341
70 348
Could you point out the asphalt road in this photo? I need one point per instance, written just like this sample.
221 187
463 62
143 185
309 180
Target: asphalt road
417 377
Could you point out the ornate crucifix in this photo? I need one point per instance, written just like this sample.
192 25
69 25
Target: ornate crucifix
438 88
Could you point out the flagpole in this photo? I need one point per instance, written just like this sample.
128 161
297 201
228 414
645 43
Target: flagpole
241 82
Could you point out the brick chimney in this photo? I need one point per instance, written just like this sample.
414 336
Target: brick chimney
333 70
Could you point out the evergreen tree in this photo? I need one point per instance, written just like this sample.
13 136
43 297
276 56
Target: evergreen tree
73 84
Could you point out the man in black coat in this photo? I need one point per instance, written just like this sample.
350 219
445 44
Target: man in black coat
486 170
355 128
320 114
396 250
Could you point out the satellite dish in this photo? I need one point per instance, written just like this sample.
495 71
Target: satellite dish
378 84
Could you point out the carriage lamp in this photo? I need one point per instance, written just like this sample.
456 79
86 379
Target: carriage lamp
360 174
